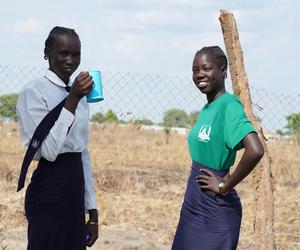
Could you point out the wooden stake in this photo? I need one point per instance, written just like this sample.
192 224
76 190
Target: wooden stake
263 224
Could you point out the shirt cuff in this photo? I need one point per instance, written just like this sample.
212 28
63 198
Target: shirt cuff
90 204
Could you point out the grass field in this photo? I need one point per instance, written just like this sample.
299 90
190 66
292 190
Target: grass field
140 178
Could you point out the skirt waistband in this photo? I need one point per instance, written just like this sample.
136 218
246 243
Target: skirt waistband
74 157
197 166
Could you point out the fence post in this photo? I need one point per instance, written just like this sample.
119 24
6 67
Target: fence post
263 224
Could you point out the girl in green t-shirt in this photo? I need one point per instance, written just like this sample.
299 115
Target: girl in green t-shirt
211 213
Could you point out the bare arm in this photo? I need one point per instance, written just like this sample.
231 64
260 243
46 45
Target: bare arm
254 151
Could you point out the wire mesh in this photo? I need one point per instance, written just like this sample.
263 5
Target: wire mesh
148 96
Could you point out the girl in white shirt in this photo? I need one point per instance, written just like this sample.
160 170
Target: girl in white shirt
61 187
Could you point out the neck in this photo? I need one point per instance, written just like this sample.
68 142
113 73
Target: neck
211 97
65 80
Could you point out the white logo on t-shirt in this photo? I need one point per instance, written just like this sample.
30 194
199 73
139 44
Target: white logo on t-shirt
204 133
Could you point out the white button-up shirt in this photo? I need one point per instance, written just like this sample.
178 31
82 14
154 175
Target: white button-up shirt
35 101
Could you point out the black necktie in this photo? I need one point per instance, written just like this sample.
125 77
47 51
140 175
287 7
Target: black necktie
68 88
37 139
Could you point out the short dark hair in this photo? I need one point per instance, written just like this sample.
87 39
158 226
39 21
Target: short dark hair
217 52
56 31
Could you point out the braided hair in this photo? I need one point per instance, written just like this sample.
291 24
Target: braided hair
56 32
217 52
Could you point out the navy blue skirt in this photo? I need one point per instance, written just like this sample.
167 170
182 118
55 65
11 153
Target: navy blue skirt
54 204
207 221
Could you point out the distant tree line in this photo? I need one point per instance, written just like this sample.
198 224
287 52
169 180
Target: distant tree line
171 118
110 116
179 118
292 127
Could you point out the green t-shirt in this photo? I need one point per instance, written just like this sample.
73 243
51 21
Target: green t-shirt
218 132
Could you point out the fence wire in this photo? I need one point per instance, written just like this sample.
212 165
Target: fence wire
148 96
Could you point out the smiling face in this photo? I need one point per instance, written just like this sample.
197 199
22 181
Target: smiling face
64 56
208 75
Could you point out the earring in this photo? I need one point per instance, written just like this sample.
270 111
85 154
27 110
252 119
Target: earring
45 57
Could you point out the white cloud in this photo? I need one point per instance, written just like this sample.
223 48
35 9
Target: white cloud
158 17
142 20
29 25
183 3
190 43
130 46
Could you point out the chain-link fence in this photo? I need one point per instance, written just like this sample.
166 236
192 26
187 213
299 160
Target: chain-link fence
148 96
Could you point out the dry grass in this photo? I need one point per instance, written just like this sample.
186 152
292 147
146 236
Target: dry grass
140 178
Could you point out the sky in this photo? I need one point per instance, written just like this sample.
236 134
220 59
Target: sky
158 36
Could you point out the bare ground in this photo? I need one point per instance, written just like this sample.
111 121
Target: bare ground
140 178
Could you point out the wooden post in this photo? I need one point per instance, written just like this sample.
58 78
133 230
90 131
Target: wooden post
263 224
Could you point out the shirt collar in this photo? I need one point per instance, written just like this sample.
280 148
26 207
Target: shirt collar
52 77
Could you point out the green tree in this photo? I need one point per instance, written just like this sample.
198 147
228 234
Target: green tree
98 117
280 132
110 116
293 125
176 118
8 105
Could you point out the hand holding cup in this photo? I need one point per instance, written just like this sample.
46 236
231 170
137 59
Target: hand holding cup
96 93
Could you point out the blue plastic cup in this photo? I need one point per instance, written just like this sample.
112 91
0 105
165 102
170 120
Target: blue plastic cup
96 92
